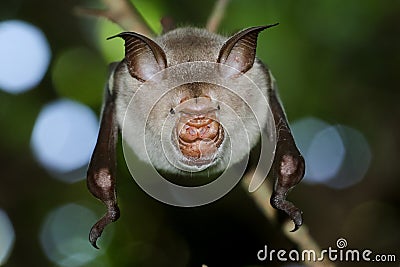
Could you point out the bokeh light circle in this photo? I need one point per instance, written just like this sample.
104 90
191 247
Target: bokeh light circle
325 155
7 237
24 56
336 155
356 161
64 136
64 236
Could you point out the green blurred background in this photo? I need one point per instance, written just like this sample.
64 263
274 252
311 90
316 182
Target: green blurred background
336 63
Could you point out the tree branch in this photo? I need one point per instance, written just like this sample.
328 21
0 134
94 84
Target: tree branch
217 14
121 12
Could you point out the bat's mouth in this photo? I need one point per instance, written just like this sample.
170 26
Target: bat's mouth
199 138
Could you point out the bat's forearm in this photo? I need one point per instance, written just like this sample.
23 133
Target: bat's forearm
288 167
101 174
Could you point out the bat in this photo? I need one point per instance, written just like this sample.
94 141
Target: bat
202 117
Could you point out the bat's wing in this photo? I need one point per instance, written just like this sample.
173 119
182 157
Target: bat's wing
101 175
288 167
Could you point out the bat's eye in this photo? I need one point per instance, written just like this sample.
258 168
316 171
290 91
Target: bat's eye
172 111
218 107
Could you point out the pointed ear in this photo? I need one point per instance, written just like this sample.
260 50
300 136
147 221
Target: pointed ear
144 57
239 51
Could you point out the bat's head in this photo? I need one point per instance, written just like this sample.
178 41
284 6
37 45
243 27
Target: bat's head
186 95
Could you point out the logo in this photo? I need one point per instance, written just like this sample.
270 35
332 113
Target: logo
339 253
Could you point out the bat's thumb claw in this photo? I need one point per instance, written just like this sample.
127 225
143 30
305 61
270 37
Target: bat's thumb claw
278 201
111 216
297 219
296 227
94 234
94 244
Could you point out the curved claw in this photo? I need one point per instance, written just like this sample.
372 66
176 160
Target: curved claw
279 202
97 229
95 233
296 227
297 220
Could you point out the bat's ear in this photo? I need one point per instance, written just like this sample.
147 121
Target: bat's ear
143 56
239 51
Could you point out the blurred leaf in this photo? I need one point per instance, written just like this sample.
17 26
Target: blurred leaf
80 74
112 50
